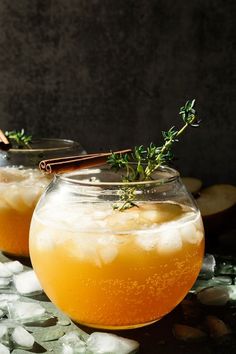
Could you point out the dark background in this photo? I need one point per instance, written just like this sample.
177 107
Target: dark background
113 74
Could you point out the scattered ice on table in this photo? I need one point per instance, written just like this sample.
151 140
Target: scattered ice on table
4 349
5 299
226 268
72 343
14 267
27 283
232 292
9 297
25 311
4 282
106 343
214 296
22 338
215 281
3 333
208 267
4 271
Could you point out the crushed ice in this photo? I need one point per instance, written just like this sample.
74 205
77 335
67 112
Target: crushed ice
97 343
16 314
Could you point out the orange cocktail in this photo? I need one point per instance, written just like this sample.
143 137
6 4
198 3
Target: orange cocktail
20 190
21 185
112 269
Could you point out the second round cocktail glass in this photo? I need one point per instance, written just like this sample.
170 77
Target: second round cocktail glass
21 185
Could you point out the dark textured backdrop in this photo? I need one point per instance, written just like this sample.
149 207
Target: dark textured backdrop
113 73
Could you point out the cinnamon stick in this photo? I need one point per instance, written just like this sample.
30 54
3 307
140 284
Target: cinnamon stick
4 142
70 163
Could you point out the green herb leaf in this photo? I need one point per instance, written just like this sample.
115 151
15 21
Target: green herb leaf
142 162
19 139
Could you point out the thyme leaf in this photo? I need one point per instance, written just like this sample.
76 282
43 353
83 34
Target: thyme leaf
143 161
19 139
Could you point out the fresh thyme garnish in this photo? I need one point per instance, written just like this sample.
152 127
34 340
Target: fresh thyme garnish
142 162
19 139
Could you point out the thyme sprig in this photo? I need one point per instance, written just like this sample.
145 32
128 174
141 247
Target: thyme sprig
142 162
19 139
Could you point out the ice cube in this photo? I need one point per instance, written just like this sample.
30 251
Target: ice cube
22 338
208 267
72 343
13 198
201 284
44 240
107 248
108 253
27 283
189 234
9 297
232 292
160 212
4 349
85 249
5 299
30 195
14 267
4 282
25 311
147 240
106 343
4 271
169 241
124 221
3 331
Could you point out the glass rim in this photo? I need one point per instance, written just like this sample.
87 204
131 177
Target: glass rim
68 144
66 177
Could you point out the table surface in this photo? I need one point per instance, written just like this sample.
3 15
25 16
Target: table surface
155 338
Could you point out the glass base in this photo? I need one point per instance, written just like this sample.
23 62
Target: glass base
117 327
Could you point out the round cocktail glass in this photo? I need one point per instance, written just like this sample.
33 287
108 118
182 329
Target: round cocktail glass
114 269
21 184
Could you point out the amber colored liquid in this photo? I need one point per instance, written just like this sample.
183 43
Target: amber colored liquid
136 287
14 232
19 192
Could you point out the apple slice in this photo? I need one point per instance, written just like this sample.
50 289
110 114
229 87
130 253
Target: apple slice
217 198
217 205
192 184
